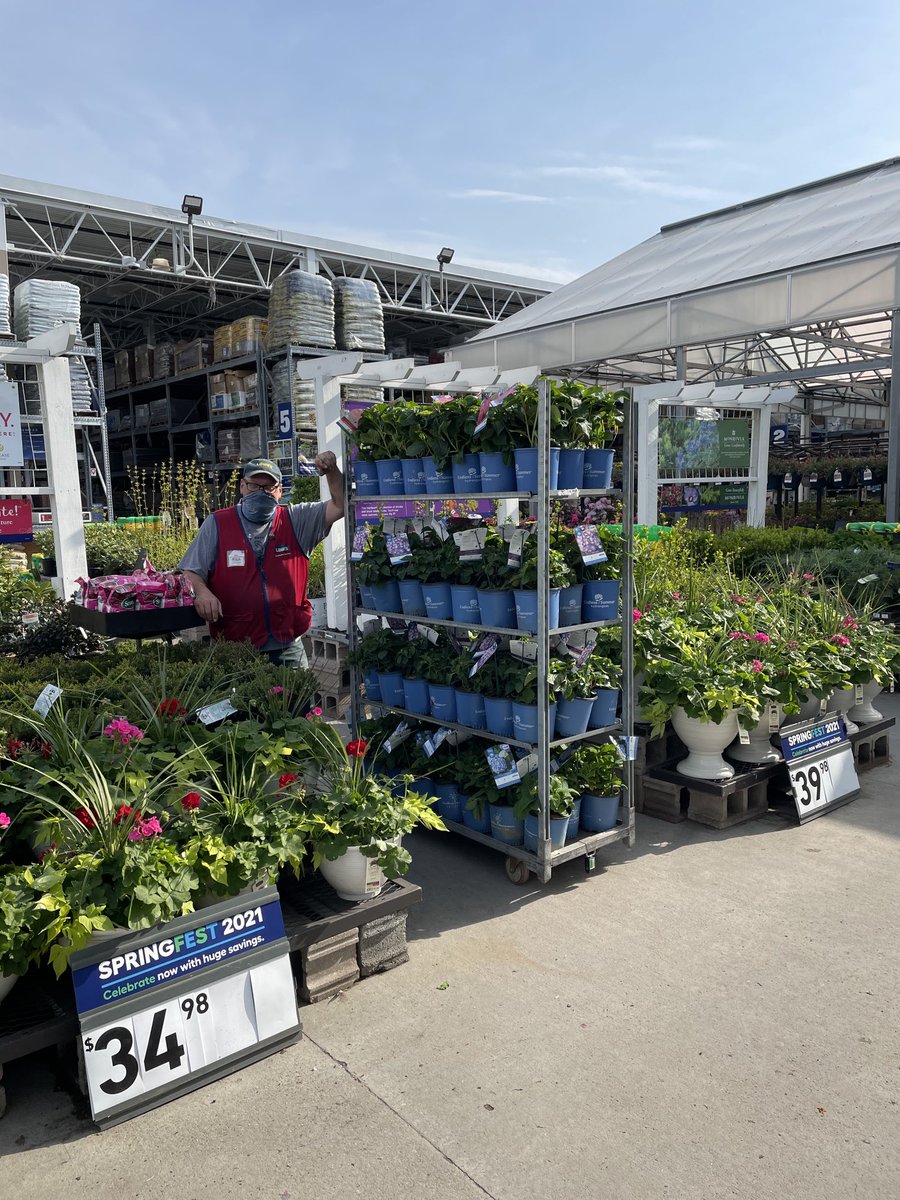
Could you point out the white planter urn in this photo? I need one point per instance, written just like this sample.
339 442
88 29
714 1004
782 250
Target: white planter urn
353 876
866 712
809 710
759 749
6 985
705 742
841 702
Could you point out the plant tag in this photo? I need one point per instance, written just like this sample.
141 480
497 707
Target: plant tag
563 757
47 699
774 721
868 579
583 654
490 400
369 625
482 651
400 734
361 539
503 765
813 477
743 735
427 632
215 712
346 422
434 740
867 474
398 547
527 651
589 544
516 545
527 765
628 747
471 543
397 624
30 618
858 694
838 477
823 706
440 530
788 479
415 525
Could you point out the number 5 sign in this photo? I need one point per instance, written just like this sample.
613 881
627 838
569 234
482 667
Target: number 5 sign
168 1009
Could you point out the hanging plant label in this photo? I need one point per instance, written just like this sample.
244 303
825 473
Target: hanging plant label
47 699
440 529
482 651
857 694
868 579
773 716
788 480
347 424
398 548
743 735
813 478
516 546
397 625
400 734
434 740
589 544
823 706
502 764
527 651
431 634
470 543
867 474
527 765
490 400
213 713
361 539
838 477
628 747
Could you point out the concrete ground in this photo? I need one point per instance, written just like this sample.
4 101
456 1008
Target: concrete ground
710 1015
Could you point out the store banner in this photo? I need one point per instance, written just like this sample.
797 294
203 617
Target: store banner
15 521
10 427
687 444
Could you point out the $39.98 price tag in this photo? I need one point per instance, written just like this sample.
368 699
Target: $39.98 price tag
821 782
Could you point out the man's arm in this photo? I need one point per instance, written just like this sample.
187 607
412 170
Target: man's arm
206 604
326 464
197 563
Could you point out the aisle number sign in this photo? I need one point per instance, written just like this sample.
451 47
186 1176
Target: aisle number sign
171 1008
820 765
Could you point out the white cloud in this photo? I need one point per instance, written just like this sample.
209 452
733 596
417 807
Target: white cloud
637 179
492 194
690 144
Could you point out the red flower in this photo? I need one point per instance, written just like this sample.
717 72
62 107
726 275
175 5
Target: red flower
13 746
46 750
171 708
43 854
124 810
191 801
85 818
356 749
287 779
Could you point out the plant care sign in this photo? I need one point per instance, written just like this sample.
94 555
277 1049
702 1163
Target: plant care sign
165 1010
819 760
10 427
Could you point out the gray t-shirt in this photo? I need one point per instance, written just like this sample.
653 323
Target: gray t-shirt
308 521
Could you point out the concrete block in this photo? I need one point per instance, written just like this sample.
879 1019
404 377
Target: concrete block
382 944
329 966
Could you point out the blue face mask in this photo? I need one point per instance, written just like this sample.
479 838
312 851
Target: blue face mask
258 507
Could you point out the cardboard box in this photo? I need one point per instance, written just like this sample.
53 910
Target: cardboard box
222 343
124 361
109 377
193 356
142 416
164 360
159 412
248 334
143 364
251 442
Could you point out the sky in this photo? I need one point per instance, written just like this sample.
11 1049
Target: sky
539 139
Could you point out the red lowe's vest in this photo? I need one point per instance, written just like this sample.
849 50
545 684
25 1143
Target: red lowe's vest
258 603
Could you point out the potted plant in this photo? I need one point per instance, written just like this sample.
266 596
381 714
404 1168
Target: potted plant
315 588
524 581
377 654
596 771
525 700
433 564
410 661
379 440
605 415
496 600
437 665
520 413
354 820
576 690
23 929
600 599
496 451
376 573
560 801
475 787
502 678
411 445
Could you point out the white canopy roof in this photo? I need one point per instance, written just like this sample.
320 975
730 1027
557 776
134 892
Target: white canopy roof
826 250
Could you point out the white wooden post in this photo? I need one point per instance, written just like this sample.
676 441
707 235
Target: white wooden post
328 436
62 475
759 466
647 442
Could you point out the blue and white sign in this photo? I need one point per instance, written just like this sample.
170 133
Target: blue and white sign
285 419
820 766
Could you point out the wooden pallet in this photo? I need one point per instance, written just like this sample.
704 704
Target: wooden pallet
675 797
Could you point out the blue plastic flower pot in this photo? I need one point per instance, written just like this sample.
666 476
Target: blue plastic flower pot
570 604
390 477
497 475
415 696
526 610
497 608
600 601
437 483
572 717
387 596
525 721
411 598
505 826
367 596
392 692
599 813
465 604
603 710
467 474
559 827
527 470
480 824
448 803
371 686
413 476
597 469
442 698
438 601
572 831
571 469
365 475
470 709
498 716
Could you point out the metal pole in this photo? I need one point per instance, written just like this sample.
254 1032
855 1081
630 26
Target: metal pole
628 697
352 627
892 488
104 431
543 625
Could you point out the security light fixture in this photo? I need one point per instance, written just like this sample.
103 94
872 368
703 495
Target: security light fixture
444 257
192 206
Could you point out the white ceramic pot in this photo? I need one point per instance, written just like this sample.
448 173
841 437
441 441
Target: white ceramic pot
809 710
353 876
208 898
841 702
6 985
705 742
759 749
866 712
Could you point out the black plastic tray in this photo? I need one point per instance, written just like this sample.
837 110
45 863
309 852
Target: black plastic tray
148 623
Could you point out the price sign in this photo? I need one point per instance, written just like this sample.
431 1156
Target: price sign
168 1009
820 766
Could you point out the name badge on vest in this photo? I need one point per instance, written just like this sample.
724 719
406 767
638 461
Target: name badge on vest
283 549
236 558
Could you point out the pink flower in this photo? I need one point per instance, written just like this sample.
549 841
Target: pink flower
761 637
738 599
145 829
123 731
756 665
276 691
808 576
4 821
849 623
317 712
735 635
636 614
676 595
840 640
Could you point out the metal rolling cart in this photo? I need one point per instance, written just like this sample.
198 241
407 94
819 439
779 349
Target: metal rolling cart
520 863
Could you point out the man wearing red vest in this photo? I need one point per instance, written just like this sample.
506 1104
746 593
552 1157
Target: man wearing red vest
248 564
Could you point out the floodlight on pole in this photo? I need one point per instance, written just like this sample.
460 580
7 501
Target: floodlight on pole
445 255
192 206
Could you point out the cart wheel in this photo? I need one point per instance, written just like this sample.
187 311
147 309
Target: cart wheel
516 871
